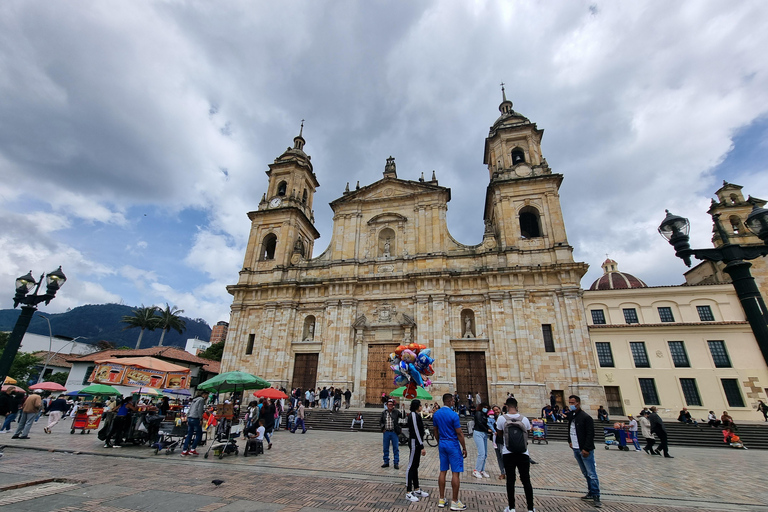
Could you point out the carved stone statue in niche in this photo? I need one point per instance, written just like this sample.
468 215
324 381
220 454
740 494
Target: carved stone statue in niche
387 246
468 324
310 332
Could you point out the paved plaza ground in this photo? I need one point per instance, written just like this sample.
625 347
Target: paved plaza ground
340 471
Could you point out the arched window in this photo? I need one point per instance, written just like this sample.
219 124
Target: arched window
268 247
386 243
529 222
468 324
736 224
734 199
281 188
308 333
518 156
304 197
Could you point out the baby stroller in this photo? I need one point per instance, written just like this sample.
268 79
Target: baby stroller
224 443
165 438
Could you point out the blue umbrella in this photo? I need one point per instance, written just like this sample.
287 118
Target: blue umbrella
75 393
181 392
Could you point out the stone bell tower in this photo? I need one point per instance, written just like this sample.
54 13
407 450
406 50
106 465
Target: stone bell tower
522 208
282 229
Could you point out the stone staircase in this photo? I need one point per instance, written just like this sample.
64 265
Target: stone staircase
754 436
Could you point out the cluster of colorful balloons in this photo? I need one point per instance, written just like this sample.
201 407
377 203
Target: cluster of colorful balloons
412 366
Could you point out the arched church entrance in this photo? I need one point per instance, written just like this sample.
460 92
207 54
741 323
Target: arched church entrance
471 376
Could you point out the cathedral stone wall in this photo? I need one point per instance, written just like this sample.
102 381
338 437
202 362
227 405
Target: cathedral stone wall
502 316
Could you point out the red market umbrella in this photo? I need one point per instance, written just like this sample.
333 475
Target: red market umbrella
10 388
272 393
48 386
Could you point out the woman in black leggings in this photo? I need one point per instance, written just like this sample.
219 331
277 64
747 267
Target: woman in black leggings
416 443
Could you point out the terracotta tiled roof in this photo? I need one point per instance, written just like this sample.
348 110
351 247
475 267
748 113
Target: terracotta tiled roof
57 359
617 280
169 353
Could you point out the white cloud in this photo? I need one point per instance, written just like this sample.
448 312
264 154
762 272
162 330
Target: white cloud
114 109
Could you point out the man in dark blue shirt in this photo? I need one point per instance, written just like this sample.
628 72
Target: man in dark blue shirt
452 450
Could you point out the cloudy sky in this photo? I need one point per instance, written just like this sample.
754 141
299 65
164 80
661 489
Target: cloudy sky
134 136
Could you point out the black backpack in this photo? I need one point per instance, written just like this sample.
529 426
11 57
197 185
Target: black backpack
515 435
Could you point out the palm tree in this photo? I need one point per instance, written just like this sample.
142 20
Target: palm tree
170 319
143 318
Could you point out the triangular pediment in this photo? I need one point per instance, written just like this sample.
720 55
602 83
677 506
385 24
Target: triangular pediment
391 188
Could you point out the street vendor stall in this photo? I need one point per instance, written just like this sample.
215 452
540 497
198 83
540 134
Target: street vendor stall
144 372
88 414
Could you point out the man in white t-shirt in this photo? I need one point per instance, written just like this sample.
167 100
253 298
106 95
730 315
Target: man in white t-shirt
519 461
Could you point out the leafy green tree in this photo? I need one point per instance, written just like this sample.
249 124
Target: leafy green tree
58 378
214 352
24 368
143 318
170 318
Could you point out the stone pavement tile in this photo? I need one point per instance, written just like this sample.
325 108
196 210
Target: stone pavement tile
154 500
44 503
11 478
250 506
99 491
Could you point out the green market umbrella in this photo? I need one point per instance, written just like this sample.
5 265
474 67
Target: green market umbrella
421 393
100 389
233 381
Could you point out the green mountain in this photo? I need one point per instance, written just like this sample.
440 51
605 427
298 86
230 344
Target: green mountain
98 322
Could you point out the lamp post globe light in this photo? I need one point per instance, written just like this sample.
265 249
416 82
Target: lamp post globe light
29 301
675 230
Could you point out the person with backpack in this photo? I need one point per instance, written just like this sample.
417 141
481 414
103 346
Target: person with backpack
581 439
514 453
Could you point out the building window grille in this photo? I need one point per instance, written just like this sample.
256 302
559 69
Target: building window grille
732 392
705 313
719 354
679 355
549 343
639 354
630 316
598 317
665 314
648 388
690 392
604 354
249 347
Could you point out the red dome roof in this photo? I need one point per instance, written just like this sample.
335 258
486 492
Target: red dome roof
612 279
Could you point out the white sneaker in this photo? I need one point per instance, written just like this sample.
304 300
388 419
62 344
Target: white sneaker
476 474
509 509
410 497
485 474
421 494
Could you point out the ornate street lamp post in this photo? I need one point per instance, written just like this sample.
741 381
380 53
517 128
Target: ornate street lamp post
53 281
675 230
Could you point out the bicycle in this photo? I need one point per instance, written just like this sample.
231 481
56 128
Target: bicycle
429 438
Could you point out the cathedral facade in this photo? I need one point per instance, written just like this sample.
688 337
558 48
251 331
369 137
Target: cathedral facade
505 315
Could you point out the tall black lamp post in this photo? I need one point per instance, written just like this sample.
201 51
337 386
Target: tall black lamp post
29 301
675 230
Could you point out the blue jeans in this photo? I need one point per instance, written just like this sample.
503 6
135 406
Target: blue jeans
299 422
391 437
324 403
8 420
633 436
589 470
193 428
481 441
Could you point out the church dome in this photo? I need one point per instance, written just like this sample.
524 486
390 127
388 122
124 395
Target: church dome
612 279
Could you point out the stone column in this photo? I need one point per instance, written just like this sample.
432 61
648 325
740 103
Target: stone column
264 349
358 397
445 374
424 332
344 346
327 358
520 334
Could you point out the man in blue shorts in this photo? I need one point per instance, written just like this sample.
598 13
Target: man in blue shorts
452 450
